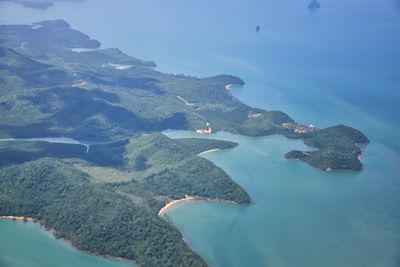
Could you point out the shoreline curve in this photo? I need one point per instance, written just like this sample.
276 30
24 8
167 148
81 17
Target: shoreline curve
163 211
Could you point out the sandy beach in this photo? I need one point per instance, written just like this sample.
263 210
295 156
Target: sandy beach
164 209
229 86
208 151
187 198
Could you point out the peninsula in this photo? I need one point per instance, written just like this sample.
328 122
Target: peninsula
56 81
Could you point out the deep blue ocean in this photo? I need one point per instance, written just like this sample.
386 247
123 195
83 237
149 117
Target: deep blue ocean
338 64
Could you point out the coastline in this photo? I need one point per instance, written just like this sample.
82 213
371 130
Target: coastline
67 242
229 86
162 212
169 205
19 218
208 151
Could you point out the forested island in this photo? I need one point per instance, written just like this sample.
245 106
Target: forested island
56 81
337 149
38 4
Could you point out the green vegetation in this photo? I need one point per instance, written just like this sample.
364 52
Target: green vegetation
55 81
197 145
174 170
107 155
82 95
165 167
103 202
337 149
92 217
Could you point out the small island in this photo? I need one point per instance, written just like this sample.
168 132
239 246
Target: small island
37 4
336 149
314 5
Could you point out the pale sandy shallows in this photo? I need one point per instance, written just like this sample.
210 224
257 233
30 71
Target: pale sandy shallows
229 87
208 151
187 198
169 205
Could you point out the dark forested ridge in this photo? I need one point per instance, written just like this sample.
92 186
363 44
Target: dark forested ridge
56 81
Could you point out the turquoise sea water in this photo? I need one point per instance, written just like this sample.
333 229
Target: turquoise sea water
300 216
28 245
340 64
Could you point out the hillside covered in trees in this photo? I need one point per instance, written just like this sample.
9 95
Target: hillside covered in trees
113 210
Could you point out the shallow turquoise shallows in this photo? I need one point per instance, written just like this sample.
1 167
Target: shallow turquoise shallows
300 216
338 64
29 245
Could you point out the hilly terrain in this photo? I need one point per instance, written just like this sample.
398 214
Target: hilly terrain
56 81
